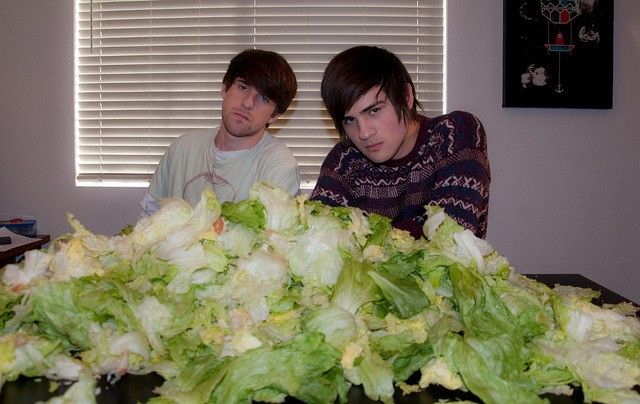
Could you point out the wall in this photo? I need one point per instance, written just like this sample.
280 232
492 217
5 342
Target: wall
565 189
565 185
36 124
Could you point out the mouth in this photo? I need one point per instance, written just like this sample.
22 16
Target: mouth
374 147
240 115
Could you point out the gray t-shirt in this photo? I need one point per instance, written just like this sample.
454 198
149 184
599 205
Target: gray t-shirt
193 162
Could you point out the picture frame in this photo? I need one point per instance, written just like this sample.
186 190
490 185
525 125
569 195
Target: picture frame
558 54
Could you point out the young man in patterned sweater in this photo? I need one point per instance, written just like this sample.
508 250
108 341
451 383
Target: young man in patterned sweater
392 160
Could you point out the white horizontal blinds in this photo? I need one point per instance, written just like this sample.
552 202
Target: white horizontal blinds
155 70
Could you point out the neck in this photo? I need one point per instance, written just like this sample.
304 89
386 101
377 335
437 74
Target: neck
413 127
227 142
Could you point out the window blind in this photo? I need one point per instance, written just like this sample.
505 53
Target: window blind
148 71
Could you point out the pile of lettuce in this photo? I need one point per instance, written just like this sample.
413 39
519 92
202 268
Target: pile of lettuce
278 296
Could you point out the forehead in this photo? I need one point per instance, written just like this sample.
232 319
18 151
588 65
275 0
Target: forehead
367 100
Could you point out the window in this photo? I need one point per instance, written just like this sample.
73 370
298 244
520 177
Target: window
148 71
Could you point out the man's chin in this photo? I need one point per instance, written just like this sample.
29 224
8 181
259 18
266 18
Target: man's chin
376 157
236 130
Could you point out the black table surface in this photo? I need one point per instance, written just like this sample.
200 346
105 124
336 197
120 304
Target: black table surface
131 389
9 255
606 295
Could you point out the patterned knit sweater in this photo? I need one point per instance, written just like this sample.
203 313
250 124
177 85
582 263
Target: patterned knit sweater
448 166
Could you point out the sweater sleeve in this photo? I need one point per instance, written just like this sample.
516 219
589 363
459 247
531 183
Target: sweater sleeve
463 178
332 188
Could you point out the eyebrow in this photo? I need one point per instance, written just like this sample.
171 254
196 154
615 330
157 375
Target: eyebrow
368 107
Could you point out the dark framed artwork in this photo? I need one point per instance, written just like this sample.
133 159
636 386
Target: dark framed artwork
558 53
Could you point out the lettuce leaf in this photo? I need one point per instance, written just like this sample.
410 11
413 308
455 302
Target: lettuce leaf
404 295
249 212
305 368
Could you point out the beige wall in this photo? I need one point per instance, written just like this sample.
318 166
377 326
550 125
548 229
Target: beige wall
566 188
565 185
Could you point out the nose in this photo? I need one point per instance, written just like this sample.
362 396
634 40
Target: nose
366 130
248 101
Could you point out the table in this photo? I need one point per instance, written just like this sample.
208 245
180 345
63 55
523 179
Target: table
138 388
9 256
606 295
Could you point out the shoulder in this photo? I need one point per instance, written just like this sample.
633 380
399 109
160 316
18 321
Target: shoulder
458 115
342 156
196 135
187 150
457 130
340 160
270 142
334 183
273 161
463 121
454 120
270 149
193 138
343 166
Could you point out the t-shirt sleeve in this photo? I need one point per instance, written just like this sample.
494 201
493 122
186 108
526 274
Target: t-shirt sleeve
279 166
285 173
159 184
148 206
161 181
463 179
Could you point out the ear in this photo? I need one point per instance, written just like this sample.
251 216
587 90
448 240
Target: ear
273 118
223 91
409 96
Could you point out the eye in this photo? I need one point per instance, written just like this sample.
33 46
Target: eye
242 86
374 110
263 99
347 120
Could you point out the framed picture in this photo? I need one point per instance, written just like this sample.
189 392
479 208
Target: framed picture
558 53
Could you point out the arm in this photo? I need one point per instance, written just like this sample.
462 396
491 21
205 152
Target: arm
278 166
148 205
331 188
463 178
286 174
150 202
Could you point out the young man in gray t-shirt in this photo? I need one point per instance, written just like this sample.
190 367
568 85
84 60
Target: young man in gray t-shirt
257 87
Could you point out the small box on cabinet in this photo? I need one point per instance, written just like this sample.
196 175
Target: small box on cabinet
27 228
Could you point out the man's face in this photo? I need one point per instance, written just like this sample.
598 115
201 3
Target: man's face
245 112
373 127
